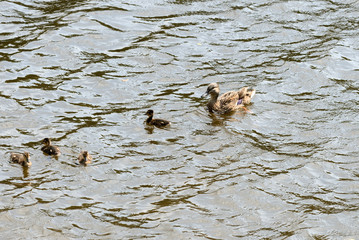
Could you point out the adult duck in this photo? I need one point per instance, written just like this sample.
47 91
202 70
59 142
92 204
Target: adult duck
229 101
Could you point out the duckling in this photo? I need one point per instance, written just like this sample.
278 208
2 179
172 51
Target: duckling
156 122
21 158
84 158
229 101
50 149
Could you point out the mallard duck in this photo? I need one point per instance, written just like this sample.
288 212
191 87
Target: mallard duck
21 158
84 158
50 149
156 122
229 101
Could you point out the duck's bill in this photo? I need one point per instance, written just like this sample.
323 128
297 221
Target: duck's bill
204 94
252 92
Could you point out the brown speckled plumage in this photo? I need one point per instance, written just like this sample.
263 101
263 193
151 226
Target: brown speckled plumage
229 101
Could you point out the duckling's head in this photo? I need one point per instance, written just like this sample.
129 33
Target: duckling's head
246 94
85 154
46 141
27 156
212 89
149 113
27 162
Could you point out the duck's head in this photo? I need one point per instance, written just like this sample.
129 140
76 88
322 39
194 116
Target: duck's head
149 113
85 154
246 94
212 89
46 141
27 156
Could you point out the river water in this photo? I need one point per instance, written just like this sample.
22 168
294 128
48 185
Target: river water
85 72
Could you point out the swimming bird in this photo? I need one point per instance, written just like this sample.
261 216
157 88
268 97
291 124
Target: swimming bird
229 101
84 158
21 158
50 149
155 122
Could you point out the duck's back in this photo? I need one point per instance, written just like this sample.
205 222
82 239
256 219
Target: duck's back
159 122
51 150
15 157
227 102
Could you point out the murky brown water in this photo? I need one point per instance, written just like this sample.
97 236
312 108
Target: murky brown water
85 72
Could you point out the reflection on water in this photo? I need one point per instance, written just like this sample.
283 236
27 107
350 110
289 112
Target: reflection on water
84 73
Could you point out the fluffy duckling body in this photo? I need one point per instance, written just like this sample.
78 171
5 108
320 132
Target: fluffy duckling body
21 158
84 158
229 101
50 149
156 122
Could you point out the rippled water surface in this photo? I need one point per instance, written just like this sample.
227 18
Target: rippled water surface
85 72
